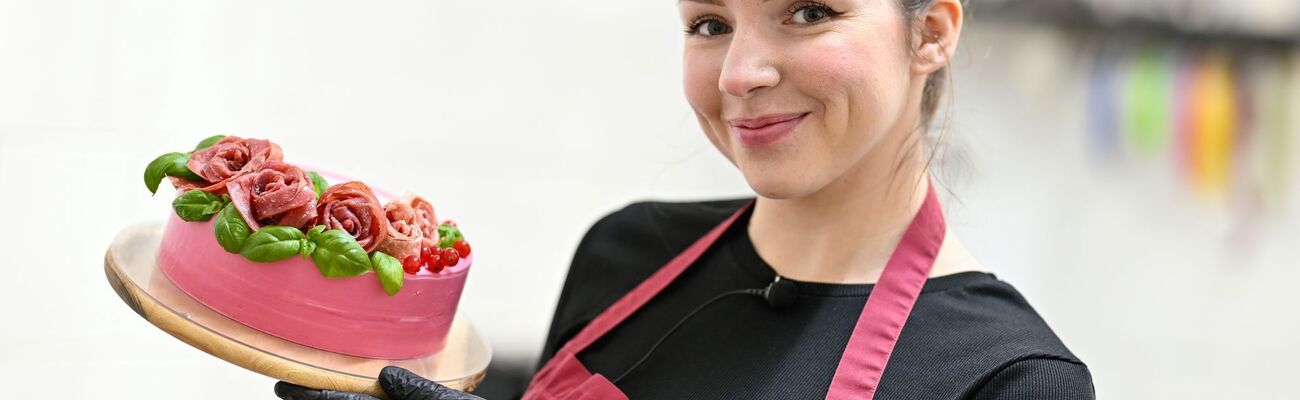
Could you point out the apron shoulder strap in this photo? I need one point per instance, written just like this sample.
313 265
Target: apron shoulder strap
647 289
889 304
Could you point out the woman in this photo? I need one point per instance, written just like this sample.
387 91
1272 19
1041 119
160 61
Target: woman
841 266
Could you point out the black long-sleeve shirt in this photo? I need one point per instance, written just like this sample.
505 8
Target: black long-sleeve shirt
970 336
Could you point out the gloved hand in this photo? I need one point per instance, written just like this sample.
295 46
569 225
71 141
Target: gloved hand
397 383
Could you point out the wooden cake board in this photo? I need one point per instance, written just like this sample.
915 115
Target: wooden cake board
134 274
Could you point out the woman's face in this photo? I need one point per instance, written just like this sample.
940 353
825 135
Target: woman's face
798 93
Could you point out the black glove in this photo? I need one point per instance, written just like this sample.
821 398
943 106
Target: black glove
397 383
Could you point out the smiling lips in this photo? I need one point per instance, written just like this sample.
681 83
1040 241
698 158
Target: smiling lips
765 130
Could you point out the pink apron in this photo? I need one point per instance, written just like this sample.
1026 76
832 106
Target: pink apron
864 358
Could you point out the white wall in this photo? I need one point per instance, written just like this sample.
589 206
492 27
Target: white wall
525 121
1163 294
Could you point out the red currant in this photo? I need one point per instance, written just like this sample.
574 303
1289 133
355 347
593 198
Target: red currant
433 263
411 264
425 252
461 247
450 257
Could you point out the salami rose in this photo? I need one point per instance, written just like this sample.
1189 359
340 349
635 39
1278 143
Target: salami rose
404 234
227 160
353 207
277 194
425 218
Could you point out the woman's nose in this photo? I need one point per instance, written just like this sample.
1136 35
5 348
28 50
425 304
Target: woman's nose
749 66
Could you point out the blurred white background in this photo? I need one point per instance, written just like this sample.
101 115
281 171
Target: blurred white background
526 121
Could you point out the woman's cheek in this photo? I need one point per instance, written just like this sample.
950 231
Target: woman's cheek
832 64
826 72
857 80
700 79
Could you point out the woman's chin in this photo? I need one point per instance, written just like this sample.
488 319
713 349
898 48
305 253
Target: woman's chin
782 186
775 177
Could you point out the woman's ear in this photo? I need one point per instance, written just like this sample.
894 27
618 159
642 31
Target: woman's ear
935 36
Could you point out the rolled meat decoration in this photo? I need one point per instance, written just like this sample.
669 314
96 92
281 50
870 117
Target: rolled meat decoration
426 219
227 160
277 194
404 234
353 207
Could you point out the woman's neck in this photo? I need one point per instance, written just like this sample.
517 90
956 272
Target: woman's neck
844 233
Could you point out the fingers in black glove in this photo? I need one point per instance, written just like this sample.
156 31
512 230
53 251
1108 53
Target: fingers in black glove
397 383
289 391
401 384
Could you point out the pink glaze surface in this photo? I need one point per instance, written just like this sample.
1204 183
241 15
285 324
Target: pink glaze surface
291 300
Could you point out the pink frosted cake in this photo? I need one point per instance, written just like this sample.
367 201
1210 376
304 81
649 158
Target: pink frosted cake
342 268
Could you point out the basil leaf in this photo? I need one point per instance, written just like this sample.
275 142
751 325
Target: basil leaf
448 235
196 205
170 164
315 230
272 243
157 169
180 170
231 230
318 182
338 255
389 271
211 140
308 247
308 244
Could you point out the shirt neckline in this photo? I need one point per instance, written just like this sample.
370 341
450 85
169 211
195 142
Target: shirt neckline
745 257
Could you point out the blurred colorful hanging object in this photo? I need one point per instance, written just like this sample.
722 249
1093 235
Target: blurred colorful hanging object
1270 148
1223 115
1101 109
1149 86
1209 135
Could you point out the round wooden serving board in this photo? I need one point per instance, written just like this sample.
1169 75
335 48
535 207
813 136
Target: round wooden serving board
134 275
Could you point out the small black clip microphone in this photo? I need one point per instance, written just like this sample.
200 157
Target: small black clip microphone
779 294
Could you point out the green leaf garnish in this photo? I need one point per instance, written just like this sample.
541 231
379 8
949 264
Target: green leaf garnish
157 169
211 140
309 244
231 230
318 183
308 247
197 205
315 230
180 170
170 164
272 243
338 255
448 235
389 271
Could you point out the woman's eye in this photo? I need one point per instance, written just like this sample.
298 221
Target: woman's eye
810 14
711 27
